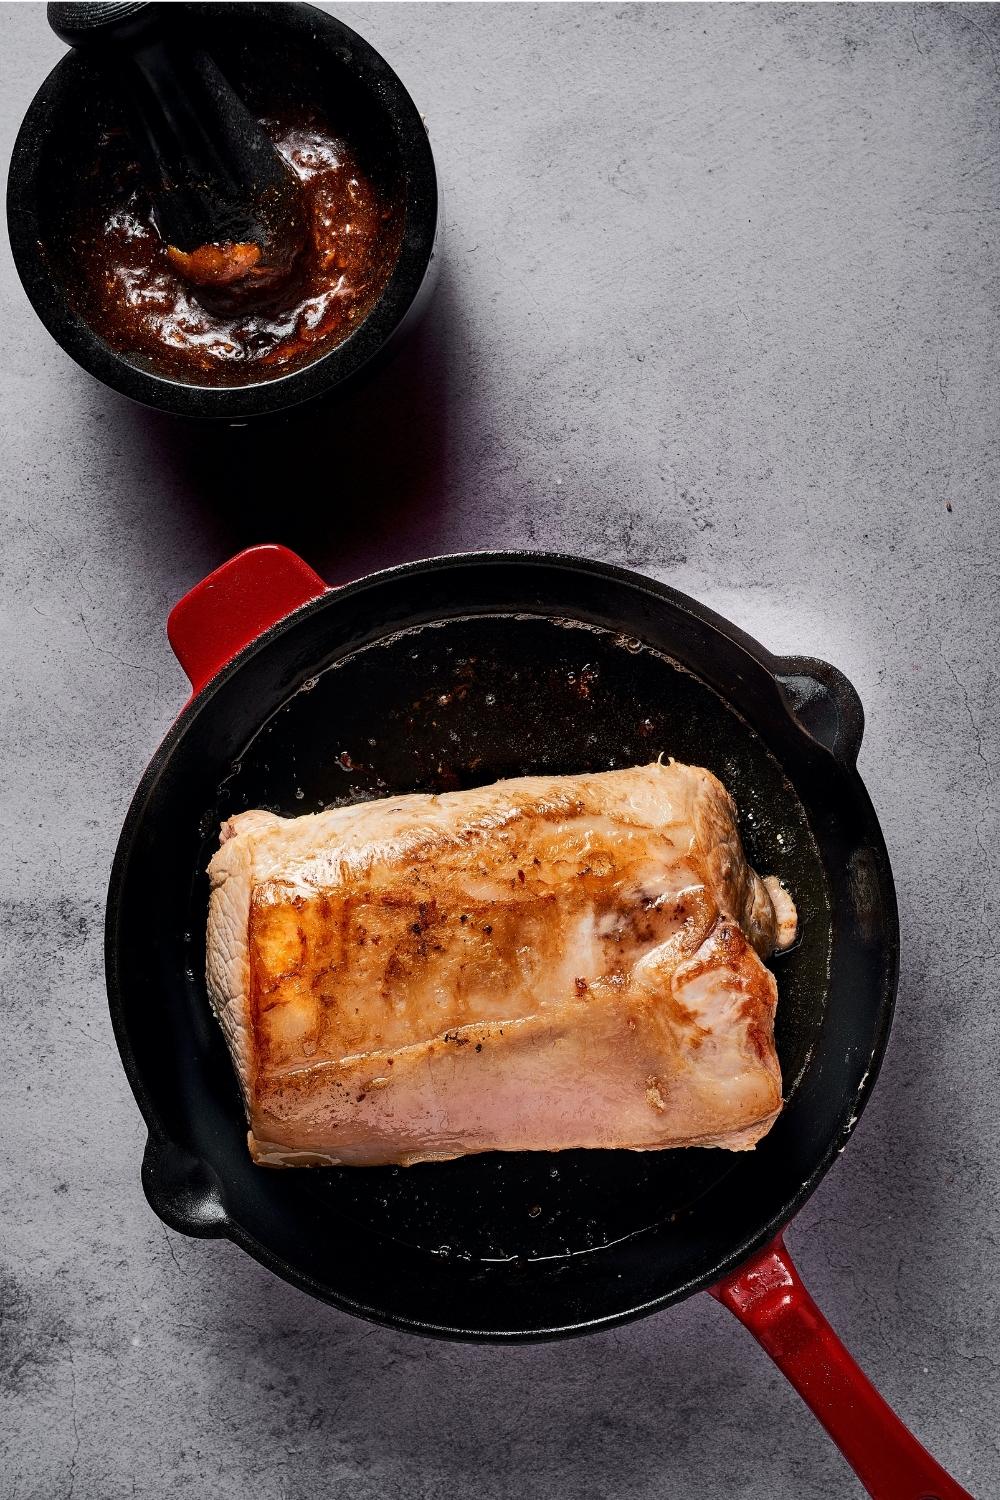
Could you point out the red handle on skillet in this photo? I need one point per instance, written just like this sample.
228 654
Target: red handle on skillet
234 605
768 1297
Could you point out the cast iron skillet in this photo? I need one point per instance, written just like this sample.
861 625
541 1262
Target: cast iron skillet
455 672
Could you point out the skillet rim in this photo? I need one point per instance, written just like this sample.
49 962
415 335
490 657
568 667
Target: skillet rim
852 1105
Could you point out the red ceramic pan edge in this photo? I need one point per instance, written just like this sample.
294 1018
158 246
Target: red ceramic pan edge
212 624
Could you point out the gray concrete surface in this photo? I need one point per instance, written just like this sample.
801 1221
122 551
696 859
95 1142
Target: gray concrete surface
719 302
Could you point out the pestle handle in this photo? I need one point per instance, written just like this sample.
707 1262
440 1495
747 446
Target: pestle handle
85 22
214 175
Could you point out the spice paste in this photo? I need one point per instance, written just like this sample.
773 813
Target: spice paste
154 304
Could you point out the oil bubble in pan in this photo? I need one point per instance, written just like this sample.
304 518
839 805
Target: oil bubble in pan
462 703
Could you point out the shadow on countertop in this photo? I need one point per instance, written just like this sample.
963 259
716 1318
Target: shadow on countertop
353 484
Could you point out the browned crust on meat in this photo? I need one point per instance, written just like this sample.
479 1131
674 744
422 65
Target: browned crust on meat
463 945
351 969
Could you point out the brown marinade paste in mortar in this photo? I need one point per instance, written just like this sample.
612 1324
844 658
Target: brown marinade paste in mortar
136 300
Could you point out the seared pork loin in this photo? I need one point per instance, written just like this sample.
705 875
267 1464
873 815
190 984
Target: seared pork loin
544 963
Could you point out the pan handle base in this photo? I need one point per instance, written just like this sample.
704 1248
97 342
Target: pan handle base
768 1297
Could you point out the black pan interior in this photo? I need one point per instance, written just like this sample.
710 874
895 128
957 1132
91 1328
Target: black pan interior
362 701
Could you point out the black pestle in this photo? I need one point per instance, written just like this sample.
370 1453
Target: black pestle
214 176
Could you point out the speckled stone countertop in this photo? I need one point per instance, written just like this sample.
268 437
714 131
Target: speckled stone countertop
719 301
